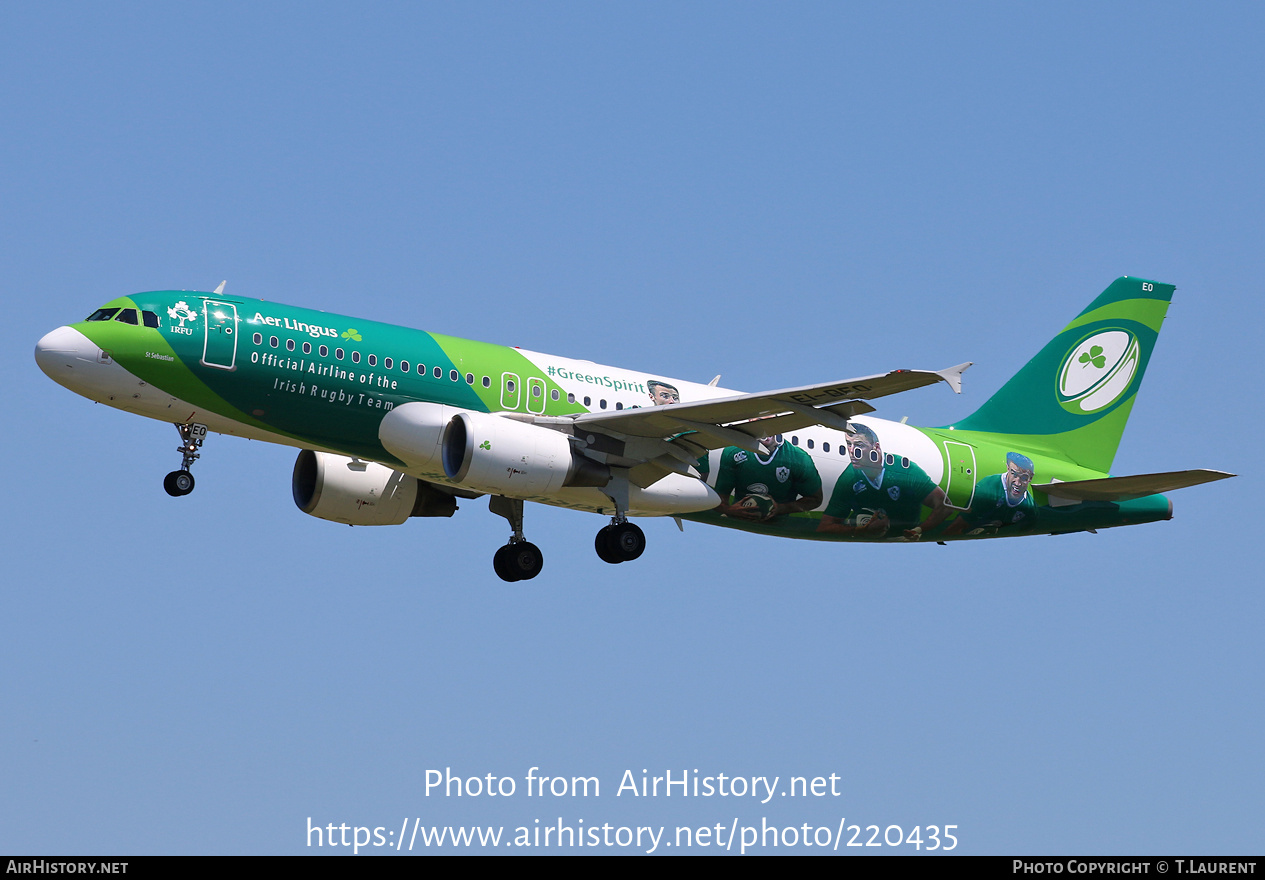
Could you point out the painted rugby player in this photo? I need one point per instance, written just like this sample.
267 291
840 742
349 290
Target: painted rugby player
874 495
783 482
1001 501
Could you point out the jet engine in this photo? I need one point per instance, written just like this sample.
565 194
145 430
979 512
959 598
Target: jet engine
412 431
362 493
504 456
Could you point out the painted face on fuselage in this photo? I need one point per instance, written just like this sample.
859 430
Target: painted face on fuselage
1017 481
866 455
661 393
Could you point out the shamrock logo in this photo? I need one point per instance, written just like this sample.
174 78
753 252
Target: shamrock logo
354 334
1093 356
485 445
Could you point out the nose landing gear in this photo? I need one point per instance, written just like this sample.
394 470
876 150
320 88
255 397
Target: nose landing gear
179 483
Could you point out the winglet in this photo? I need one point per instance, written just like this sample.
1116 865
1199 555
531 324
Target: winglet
220 289
953 375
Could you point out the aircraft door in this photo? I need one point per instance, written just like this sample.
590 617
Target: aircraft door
220 347
511 391
536 395
960 470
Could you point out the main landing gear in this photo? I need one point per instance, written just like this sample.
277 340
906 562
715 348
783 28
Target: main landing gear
621 541
178 483
520 559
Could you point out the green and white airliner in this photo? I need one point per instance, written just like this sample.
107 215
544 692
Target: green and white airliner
393 423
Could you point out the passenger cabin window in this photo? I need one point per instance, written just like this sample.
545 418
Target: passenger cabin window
454 375
439 372
102 315
273 341
150 319
388 363
338 353
307 348
258 339
127 316
487 382
373 360
324 351
355 357
289 345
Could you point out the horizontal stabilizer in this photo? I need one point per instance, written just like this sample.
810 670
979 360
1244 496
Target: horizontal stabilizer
1129 488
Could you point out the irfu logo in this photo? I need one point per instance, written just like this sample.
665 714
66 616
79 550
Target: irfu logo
181 312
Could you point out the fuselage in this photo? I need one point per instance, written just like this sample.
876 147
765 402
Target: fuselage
321 381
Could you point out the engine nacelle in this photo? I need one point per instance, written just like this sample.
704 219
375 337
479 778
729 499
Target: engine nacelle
412 433
362 493
504 456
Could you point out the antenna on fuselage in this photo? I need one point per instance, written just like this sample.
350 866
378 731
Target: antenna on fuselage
220 289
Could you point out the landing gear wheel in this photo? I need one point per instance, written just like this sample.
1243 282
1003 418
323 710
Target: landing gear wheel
178 483
619 542
501 563
627 540
518 562
602 544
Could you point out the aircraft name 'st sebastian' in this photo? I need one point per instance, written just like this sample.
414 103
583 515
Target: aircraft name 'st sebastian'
394 423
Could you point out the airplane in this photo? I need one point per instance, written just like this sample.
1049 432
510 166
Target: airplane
394 423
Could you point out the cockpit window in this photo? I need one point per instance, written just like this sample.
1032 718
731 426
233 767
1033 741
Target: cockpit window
151 319
102 315
127 316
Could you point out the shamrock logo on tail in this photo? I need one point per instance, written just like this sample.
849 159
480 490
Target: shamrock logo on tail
1093 356
354 335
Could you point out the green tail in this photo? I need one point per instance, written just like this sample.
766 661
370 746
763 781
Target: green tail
1074 397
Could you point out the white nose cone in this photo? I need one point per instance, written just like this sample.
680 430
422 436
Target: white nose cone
68 357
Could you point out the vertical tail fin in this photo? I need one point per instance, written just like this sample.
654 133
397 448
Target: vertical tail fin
1075 396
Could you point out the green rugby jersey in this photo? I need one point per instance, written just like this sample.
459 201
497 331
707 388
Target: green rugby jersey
900 493
788 474
990 507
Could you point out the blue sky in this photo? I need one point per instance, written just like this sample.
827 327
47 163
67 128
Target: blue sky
781 194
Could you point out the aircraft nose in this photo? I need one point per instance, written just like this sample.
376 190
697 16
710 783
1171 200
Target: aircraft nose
58 352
